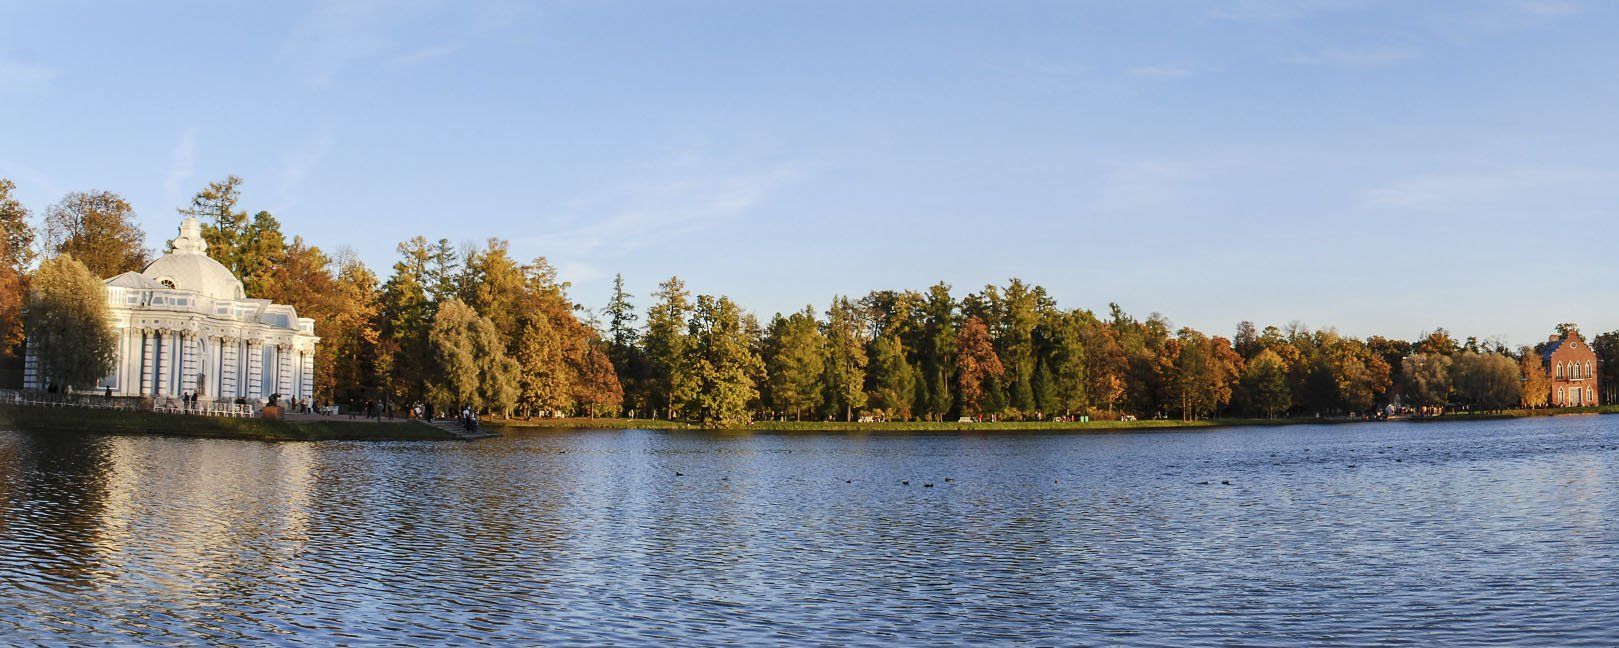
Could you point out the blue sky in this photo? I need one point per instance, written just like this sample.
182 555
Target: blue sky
1385 167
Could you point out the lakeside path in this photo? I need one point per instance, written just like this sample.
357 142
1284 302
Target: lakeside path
295 428
1014 426
341 428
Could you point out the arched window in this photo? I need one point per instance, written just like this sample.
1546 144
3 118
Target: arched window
1590 396
1589 370
1559 371
1573 370
1562 396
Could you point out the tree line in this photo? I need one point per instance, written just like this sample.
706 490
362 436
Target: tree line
470 325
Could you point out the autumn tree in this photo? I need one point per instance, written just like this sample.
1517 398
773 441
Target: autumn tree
443 271
16 255
404 315
891 383
976 362
224 226
938 344
1357 376
1606 346
1439 342
351 339
795 359
1537 383
845 372
1063 362
1204 372
1488 381
1264 384
1018 309
543 384
722 365
1106 365
67 324
1427 379
623 344
666 344
492 283
98 229
596 389
470 363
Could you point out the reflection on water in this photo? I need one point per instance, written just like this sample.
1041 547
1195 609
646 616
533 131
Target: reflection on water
1470 533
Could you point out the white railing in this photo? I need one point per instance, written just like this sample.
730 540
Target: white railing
229 410
42 399
125 404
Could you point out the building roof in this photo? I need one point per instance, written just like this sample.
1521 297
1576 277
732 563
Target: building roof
1553 345
133 279
187 266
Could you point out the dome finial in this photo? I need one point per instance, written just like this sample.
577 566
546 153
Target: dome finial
190 240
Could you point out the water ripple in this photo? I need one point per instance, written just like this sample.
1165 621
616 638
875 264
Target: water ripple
1479 533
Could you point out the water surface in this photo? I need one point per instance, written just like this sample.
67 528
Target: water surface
1483 533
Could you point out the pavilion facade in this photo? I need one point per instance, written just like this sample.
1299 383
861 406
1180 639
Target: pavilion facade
185 327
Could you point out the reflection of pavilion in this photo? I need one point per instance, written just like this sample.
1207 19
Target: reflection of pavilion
184 325
236 514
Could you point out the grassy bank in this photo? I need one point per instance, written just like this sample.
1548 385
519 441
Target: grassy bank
73 419
1009 426
893 426
1523 413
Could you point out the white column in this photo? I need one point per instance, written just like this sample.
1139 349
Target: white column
216 369
126 356
308 390
255 370
30 372
227 377
163 350
188 362
283 364
146 363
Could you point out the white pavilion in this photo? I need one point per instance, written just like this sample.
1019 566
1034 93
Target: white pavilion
185 326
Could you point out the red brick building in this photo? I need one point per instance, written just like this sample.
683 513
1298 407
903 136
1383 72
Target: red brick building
1572 365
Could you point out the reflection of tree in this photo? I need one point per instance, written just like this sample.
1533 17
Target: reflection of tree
61 491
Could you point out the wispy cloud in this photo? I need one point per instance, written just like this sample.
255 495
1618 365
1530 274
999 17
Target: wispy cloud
298 162
336 34
631 216
1164 71
19 77
428 53
1141 185
1528 192
182 163
1284 10
1549 8
341 34
1356 57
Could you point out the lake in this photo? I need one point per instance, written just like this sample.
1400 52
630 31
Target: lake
1485 532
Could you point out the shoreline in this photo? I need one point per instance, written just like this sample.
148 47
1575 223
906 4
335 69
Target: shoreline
83 420
28 418
1150 425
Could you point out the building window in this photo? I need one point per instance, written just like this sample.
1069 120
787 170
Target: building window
167 284
1559 371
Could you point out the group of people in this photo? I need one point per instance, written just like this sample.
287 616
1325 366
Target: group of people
468 417
295 404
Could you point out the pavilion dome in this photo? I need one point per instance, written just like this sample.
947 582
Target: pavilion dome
187 266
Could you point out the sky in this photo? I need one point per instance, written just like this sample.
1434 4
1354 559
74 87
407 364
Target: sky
1379 167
